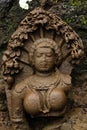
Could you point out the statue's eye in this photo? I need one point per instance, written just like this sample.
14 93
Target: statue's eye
38 55
49 54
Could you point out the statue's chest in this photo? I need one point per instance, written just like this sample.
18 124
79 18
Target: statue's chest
43 96
43 83
43 101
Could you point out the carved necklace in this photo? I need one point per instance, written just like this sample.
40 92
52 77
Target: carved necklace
44 83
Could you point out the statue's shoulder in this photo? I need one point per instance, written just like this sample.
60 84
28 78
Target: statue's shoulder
66 79
20 87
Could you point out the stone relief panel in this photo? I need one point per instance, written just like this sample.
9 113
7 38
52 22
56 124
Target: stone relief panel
37 65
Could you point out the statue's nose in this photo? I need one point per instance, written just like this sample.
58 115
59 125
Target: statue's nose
44 57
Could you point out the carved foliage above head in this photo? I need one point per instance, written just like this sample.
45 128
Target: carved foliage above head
39 24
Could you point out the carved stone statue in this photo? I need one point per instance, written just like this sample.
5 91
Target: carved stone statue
44 93
35 67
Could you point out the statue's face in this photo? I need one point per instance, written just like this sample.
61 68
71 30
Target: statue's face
44 59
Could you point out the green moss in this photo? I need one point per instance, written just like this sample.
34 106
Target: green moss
75 2
56 0
68 20
83 20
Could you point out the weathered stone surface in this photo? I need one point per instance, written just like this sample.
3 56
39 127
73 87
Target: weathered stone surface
75 14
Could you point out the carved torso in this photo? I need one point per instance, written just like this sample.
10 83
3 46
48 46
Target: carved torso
44 95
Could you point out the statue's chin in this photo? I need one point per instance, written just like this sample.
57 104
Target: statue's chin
45 70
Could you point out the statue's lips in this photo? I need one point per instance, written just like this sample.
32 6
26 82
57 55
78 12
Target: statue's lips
44 65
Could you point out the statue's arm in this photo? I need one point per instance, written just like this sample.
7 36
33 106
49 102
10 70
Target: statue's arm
17 113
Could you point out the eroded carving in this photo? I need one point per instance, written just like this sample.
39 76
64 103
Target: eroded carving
36 52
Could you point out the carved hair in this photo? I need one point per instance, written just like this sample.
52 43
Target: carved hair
44 43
